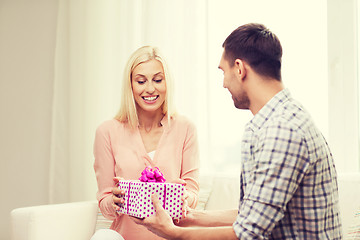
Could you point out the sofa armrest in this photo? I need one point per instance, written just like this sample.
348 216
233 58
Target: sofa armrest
349 195
70 221
224 194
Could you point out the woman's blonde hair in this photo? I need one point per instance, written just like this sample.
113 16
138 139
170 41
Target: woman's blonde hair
127 112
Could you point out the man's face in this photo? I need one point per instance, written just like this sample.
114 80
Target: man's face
234 83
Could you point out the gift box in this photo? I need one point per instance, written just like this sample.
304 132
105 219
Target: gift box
138 198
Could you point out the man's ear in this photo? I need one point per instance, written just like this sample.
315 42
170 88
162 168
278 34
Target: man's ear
241 69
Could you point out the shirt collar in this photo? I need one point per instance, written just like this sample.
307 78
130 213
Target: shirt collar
261 117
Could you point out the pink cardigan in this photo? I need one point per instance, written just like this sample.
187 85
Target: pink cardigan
119 151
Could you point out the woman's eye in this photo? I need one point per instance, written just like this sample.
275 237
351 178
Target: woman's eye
141 82
158 80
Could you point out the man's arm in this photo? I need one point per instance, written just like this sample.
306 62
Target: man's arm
208 233
215 218
162 225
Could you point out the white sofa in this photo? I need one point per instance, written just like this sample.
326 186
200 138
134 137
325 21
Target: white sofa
79 220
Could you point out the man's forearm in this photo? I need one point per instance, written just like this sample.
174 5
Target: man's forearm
208 233
215 218
213 224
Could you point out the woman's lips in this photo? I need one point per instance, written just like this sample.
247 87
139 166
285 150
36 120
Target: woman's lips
150 99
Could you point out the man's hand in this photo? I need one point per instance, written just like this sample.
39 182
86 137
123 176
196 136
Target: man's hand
190 219
162 225
159 223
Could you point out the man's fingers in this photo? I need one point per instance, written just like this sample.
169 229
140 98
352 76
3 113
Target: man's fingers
159 222
156 202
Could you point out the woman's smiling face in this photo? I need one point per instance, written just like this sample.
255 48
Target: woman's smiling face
149 86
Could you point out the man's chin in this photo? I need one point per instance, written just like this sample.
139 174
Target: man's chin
241 106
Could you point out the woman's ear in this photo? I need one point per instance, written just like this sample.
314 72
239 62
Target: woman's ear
241 69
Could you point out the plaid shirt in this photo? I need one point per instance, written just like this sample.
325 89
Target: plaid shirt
288 178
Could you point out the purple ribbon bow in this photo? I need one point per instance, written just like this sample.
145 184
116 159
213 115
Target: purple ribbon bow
152 175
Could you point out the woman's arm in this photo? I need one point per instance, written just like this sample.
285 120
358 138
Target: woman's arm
104 167
190 165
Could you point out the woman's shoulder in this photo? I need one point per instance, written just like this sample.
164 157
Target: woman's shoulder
110 125
182 121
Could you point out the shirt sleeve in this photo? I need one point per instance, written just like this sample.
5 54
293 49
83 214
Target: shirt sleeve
190 165
278 164
104 167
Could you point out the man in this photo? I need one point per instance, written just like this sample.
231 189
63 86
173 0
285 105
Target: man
288 178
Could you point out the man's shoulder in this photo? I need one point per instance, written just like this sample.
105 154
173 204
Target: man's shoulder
291 115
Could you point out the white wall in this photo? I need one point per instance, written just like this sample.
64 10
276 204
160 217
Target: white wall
27 40
304 67
343 84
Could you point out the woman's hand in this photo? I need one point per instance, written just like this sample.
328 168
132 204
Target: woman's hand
118 195
183 198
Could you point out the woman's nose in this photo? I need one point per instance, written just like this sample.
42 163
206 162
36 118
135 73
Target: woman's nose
150 87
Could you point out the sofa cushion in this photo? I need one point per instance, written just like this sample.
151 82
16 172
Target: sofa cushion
353 232
57 222
102 222
225 193
349 195
206 186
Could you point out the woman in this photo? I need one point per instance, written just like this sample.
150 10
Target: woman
145 132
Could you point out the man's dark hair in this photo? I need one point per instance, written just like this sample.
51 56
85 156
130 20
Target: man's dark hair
257 46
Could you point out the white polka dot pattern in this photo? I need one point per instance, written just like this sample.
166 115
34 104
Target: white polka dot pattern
138 198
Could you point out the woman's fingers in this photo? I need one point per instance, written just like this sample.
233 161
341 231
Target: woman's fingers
118 192
117 180
185 203
179 181
116 207
118 195
118 200
185 208
186 195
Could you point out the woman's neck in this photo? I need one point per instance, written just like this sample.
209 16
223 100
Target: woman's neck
149 121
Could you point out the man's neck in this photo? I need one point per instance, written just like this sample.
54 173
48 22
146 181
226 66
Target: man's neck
262 91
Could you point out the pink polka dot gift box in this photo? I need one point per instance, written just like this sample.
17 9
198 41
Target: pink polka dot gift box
138 195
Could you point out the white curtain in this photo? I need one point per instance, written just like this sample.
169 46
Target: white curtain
95 39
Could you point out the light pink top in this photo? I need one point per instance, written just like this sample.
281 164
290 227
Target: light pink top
119 151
